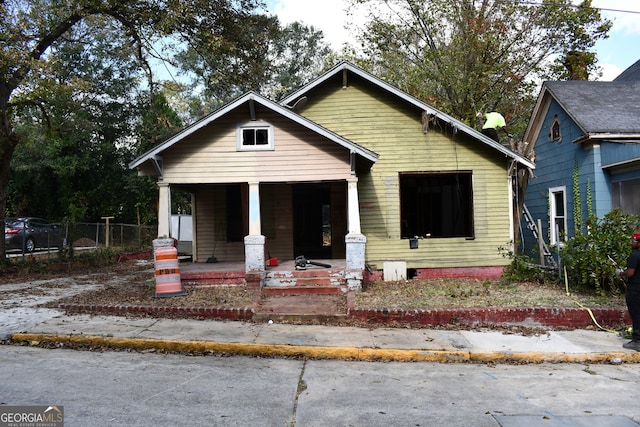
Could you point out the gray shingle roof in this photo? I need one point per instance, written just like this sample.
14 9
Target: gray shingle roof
630 74
600 107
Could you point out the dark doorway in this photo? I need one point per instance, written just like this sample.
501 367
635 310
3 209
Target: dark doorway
312 221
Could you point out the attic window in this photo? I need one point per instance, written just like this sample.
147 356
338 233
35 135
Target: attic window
555 129
254 136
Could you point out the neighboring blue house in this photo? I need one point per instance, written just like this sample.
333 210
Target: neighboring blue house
590 127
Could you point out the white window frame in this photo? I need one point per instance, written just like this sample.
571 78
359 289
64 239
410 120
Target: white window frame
553 214
240 146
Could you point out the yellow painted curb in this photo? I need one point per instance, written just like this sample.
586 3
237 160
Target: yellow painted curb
317 352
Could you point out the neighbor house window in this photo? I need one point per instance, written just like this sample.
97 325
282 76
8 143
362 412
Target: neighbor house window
254 136
555 129
558 209
625 195
436 204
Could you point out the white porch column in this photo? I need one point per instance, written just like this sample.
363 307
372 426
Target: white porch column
254 242
353 220
164 209
355 241
255 227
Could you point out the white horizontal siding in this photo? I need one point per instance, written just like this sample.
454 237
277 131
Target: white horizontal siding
210 156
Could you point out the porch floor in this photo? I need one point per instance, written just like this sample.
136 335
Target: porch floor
239 267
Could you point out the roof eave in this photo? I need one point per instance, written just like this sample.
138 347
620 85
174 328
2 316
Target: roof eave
613 137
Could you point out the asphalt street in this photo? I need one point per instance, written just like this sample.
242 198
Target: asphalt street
146 388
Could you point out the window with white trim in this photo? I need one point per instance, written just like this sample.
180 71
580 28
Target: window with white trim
625 195
558 214
254 136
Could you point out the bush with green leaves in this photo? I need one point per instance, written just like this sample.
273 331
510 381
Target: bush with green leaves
525 269
590 259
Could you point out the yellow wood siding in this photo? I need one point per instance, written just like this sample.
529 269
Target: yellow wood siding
379 122
210 155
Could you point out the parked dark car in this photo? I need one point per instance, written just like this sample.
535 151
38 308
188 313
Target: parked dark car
29 233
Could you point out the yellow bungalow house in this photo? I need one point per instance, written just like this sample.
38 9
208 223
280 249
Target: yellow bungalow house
346 168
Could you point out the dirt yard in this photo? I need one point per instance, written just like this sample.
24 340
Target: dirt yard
132 283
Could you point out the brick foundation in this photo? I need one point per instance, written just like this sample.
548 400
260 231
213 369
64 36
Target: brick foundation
197 312
490 272
531 316
527 316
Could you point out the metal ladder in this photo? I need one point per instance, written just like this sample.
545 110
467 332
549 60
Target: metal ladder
531 225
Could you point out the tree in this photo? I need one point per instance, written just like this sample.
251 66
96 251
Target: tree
75 151
297 55
30 31
289 57
475 55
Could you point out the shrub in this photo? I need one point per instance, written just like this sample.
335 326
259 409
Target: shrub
524 269
587 257
98 258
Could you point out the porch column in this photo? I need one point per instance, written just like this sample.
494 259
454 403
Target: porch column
353 220
164 209
355 241
254 242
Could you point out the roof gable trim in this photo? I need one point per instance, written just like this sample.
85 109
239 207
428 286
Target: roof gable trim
457 125
252 98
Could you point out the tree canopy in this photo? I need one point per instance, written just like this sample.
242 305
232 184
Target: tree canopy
477 55
81 93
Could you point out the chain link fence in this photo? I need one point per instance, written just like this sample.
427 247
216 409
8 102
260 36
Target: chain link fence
82 236
86 234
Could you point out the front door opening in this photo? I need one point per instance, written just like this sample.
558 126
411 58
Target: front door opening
312 221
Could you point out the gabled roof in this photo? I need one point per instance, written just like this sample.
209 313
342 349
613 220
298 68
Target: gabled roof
457 125
602 110
631 74
154 154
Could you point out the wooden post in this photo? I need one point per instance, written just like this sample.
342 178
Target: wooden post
106 237
540 243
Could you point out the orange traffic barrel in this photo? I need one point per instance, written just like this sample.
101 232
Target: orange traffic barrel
168 282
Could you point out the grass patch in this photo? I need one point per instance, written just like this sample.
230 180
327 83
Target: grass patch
463 293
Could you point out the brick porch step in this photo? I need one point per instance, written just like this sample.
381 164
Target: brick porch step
302 290
304 278
212 278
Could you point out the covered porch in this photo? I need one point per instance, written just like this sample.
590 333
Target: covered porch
234 242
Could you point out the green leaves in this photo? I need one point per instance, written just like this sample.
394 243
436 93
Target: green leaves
586 256
468 56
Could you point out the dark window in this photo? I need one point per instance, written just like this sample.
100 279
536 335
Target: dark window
555 130
436 204
558 216
626 196
253 137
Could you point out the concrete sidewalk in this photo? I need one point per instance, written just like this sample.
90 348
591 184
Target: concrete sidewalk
328 342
